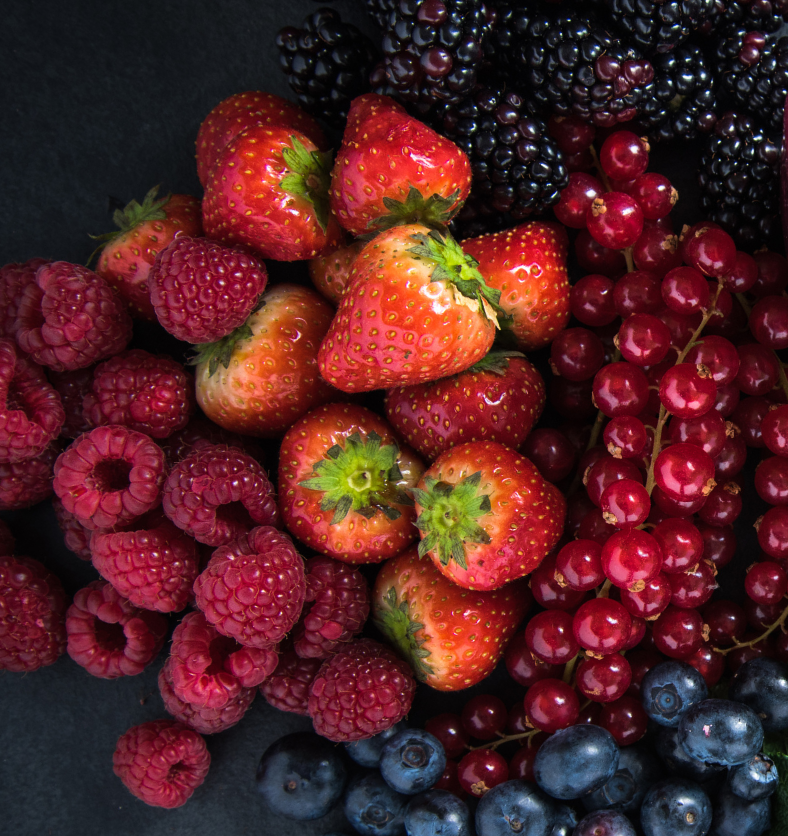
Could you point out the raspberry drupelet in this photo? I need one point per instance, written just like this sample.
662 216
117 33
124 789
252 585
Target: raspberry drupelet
75 535
287 688
14 278
72 388
24 484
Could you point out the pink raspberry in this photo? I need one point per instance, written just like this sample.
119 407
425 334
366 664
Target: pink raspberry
288 686
14 278
146 393
218 493
24 484
108 636
152 563
340 609
209 669
31 413
202 720
199 432
7 539
70 318
202 290
359 692
253 588
32 615
162 762
72 388
109 476
75 535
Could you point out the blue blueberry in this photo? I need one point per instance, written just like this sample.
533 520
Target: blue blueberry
565 821
762 684
373 808
301 776
754 779
576 761
637 770
721 732
412 761
437 813
605 823
733 816
367 752
677 761
675 807
515 808
669 689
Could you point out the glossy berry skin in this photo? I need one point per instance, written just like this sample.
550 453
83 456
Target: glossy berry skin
643 339
624 155
301 776
576 198
754 779
602 626
631 556
737 817
603 680
720 732
579 565
638 769
373 808
412 761
366 752
438 811
449 730
604 823
480 770
549 636
677 632
769 321
551 704
669 689
615 220
515 806
676 807
684 472
621 389
762 684
484 716
625 504
687 391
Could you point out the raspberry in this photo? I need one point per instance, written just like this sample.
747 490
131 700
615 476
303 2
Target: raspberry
202 290
340 609
109 476
72 388
162 762
24 484
200 431
75 535
218 493
153 563
31 413
202 720
70 318
14 278
7 540
288 686
253 588
32 610
361 691
149 394
108 636
208 669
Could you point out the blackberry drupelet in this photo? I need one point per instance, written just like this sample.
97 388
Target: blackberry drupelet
327 63
752 15
740 182
379 10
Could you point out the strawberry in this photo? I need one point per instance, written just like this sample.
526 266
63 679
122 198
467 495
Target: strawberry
343 483
330 273
391 168
527 264
269 190
486 515
452 637
145 229
241 111
263 377
499 398
416 309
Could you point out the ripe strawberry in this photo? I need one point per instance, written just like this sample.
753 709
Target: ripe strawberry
262 378
499 398
416 309
343 483
486 515
144 231
330 273
391 168
269 190
452 637
527 265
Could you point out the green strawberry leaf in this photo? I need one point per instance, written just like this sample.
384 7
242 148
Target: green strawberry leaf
392 617
435 211
495 362
309 176
220 353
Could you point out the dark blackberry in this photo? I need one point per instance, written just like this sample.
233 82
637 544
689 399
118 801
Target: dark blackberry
327 63
739 179
753 15
680 102
379 10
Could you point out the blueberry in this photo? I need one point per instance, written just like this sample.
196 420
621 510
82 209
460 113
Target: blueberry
675 807
605 823
669 689
565 821
676 759
733 816
373 808
576 761
754 779
515 807
437 813
637 770
367 752
412 761
301 776
762 684
721 732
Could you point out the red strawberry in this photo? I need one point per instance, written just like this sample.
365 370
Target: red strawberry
527 264
343 483
262 381
269 190
144 231
330 273
486 515
416 309
499 398
392 168
452 637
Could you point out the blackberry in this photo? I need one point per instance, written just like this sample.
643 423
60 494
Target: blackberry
379 10
327 63
740 181
681 100
753 15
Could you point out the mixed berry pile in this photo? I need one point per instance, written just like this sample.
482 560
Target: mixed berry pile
514 420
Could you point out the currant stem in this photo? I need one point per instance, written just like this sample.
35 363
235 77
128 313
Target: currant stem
600 171
569 668
604 590
506 739
766 633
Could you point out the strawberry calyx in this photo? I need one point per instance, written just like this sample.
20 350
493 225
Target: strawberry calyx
362 476
220 352
495 362
435 211
448 517
392 618
309 176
